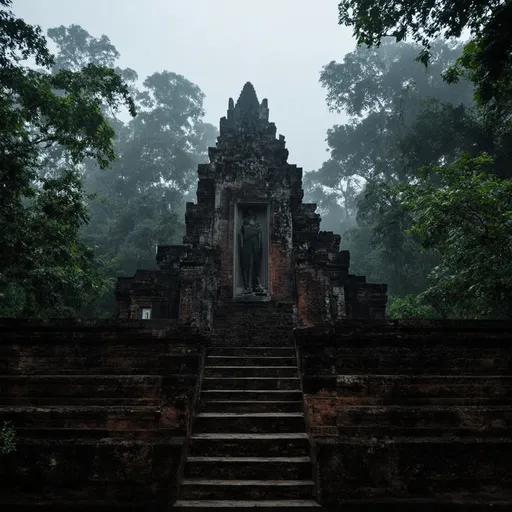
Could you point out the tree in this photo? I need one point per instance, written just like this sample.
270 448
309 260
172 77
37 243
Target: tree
384 94
139 202
488 57
45 269
467 220
396 110
410 306
402 121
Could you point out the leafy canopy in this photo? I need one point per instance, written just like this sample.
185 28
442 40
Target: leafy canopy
139 202
467 220
45 269
488 57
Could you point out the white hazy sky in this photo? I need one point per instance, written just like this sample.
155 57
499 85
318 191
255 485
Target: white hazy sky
278 45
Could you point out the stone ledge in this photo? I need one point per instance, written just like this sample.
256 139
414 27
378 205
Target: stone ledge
334 333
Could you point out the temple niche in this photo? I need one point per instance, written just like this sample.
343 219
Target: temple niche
250 237
251 262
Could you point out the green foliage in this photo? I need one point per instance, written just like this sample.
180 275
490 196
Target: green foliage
488 57
467 220
77 48
385 95
7 436
59 274
487 63
396 256
397 109
139 201
405 117
409 306
421 20
87 196
45 268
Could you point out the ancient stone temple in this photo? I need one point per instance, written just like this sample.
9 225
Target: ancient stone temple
251 238
253 371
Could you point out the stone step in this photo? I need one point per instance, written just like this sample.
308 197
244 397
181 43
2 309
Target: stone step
85 417
254 351
81 386
253 324
252 332
251 468
446 466
68 362
478 503
249 445
251 371
400 420
112 471
411 359
76 496
241 406
412 387
261 308
249 360
443 402
91 347
262 423
243 339
202 489
253 383
277 505
257 395
96 434
256 320
466 504
72 401
81 506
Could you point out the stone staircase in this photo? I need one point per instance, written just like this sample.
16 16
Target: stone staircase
249 446
100 410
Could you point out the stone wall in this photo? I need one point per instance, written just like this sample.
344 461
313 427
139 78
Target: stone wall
102 411
253 324
410 415
248 167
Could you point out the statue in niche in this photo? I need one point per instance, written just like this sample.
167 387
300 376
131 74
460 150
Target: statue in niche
250 248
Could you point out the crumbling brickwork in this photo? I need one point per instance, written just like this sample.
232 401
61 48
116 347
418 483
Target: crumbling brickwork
409 415
102 411
249 166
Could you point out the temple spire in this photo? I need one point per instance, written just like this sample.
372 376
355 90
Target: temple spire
247 115
248 100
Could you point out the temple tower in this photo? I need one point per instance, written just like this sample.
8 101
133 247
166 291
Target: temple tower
249 181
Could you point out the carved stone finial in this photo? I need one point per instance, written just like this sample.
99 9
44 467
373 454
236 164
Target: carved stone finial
248 99
264 110
231 104
247 109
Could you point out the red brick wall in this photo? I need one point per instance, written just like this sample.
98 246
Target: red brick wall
281 273
101 409
312 295
403 414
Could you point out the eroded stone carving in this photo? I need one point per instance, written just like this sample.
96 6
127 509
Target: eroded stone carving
251 251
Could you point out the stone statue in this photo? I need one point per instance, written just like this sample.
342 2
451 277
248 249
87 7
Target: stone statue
250 248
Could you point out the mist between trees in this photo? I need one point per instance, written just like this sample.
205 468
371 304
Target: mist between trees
417 182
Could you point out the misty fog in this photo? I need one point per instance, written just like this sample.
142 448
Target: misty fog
405 144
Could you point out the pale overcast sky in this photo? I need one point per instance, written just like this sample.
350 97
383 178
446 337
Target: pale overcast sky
278 45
